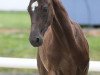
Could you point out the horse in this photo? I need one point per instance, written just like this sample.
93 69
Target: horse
62 46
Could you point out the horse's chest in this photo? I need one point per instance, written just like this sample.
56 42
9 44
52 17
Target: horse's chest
50 58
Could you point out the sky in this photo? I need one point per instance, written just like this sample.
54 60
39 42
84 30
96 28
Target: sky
14 5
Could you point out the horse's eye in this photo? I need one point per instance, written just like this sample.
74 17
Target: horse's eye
36 8
45 9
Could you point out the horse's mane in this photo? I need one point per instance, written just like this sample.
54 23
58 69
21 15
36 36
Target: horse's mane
64 21
60 12
62 17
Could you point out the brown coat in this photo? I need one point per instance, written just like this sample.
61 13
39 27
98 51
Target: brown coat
65 49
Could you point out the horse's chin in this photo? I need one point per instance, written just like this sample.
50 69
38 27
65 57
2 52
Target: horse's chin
36 45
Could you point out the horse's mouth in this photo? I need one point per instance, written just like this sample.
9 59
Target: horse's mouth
36 44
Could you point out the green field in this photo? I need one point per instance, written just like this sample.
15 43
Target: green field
16 44
12 43
19 20
94 44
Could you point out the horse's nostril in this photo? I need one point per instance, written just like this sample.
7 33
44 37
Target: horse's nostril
37 40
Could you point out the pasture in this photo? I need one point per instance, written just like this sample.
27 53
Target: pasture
14 32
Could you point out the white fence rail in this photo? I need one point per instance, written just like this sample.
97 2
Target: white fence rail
32 64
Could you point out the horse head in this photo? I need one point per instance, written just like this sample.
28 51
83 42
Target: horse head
41 18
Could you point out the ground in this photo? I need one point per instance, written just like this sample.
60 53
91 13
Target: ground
92 32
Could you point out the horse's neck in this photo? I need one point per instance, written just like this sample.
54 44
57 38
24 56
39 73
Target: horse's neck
61 23
63 31
62 35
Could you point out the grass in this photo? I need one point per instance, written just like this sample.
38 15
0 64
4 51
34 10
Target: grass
18 20
16 45
94 44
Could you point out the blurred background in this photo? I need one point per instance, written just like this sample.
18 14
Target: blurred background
15 27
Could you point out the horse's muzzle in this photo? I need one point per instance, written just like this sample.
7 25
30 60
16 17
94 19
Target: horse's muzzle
36 41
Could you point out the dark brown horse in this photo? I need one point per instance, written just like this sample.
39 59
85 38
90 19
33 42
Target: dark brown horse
63 49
